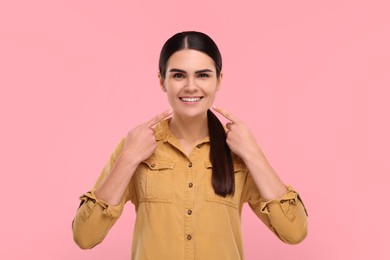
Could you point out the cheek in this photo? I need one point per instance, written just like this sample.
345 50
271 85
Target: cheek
171 94
211 89
173 85
211 96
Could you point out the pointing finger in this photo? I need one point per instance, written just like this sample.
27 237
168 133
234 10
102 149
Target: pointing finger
158 118
225 113
229 125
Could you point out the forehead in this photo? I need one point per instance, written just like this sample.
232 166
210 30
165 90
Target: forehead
190 60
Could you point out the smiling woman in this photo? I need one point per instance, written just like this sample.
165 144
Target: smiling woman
188 175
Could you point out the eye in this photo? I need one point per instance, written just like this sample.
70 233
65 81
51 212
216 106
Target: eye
178 75
203 75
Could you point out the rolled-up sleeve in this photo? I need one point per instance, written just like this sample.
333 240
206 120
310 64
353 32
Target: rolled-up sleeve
94 218
285 216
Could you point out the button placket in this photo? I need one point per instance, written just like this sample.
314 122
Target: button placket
188 206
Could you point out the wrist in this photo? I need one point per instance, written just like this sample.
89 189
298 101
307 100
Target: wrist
129 158
253 154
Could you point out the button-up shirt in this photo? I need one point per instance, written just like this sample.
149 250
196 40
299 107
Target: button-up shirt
178 214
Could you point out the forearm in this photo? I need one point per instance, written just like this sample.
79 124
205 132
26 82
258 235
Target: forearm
267 181
115 184
93 220
285 216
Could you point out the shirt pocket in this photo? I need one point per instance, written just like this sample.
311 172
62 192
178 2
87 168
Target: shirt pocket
240 172
155 181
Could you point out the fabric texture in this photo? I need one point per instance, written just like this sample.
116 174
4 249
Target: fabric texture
179 216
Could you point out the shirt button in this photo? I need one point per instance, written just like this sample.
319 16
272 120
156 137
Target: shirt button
198 146
189 212
190 184
189 237
190 165
152 165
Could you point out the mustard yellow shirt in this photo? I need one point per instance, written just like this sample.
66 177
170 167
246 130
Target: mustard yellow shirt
178 214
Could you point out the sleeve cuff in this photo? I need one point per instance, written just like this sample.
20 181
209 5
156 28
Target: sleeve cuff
286 202
91 202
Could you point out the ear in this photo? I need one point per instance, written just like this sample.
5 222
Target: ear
162 85
219 81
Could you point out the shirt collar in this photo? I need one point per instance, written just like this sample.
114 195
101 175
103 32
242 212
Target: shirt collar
163 133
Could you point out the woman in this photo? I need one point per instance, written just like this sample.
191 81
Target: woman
186 174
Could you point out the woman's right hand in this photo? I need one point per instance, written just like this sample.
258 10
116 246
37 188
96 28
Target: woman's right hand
140 141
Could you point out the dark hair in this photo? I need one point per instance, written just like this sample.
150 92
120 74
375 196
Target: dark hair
220 154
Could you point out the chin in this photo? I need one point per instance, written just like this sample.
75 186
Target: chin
191 114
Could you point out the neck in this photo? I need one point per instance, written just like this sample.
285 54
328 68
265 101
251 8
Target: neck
189 129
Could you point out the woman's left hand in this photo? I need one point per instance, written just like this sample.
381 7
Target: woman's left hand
239 138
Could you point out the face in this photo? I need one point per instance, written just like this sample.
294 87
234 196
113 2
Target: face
190 82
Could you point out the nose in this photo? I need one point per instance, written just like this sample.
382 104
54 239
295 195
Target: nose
191 85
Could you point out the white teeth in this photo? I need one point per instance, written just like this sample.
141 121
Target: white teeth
190 99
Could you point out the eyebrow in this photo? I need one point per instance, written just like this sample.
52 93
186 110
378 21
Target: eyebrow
196 72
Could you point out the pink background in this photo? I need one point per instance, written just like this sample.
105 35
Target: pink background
311 79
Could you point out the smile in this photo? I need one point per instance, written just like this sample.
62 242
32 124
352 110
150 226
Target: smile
190 99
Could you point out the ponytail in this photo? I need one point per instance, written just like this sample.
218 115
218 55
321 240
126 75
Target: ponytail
220 157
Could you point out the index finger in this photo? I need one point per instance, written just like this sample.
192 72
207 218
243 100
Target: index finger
158 118
225 113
